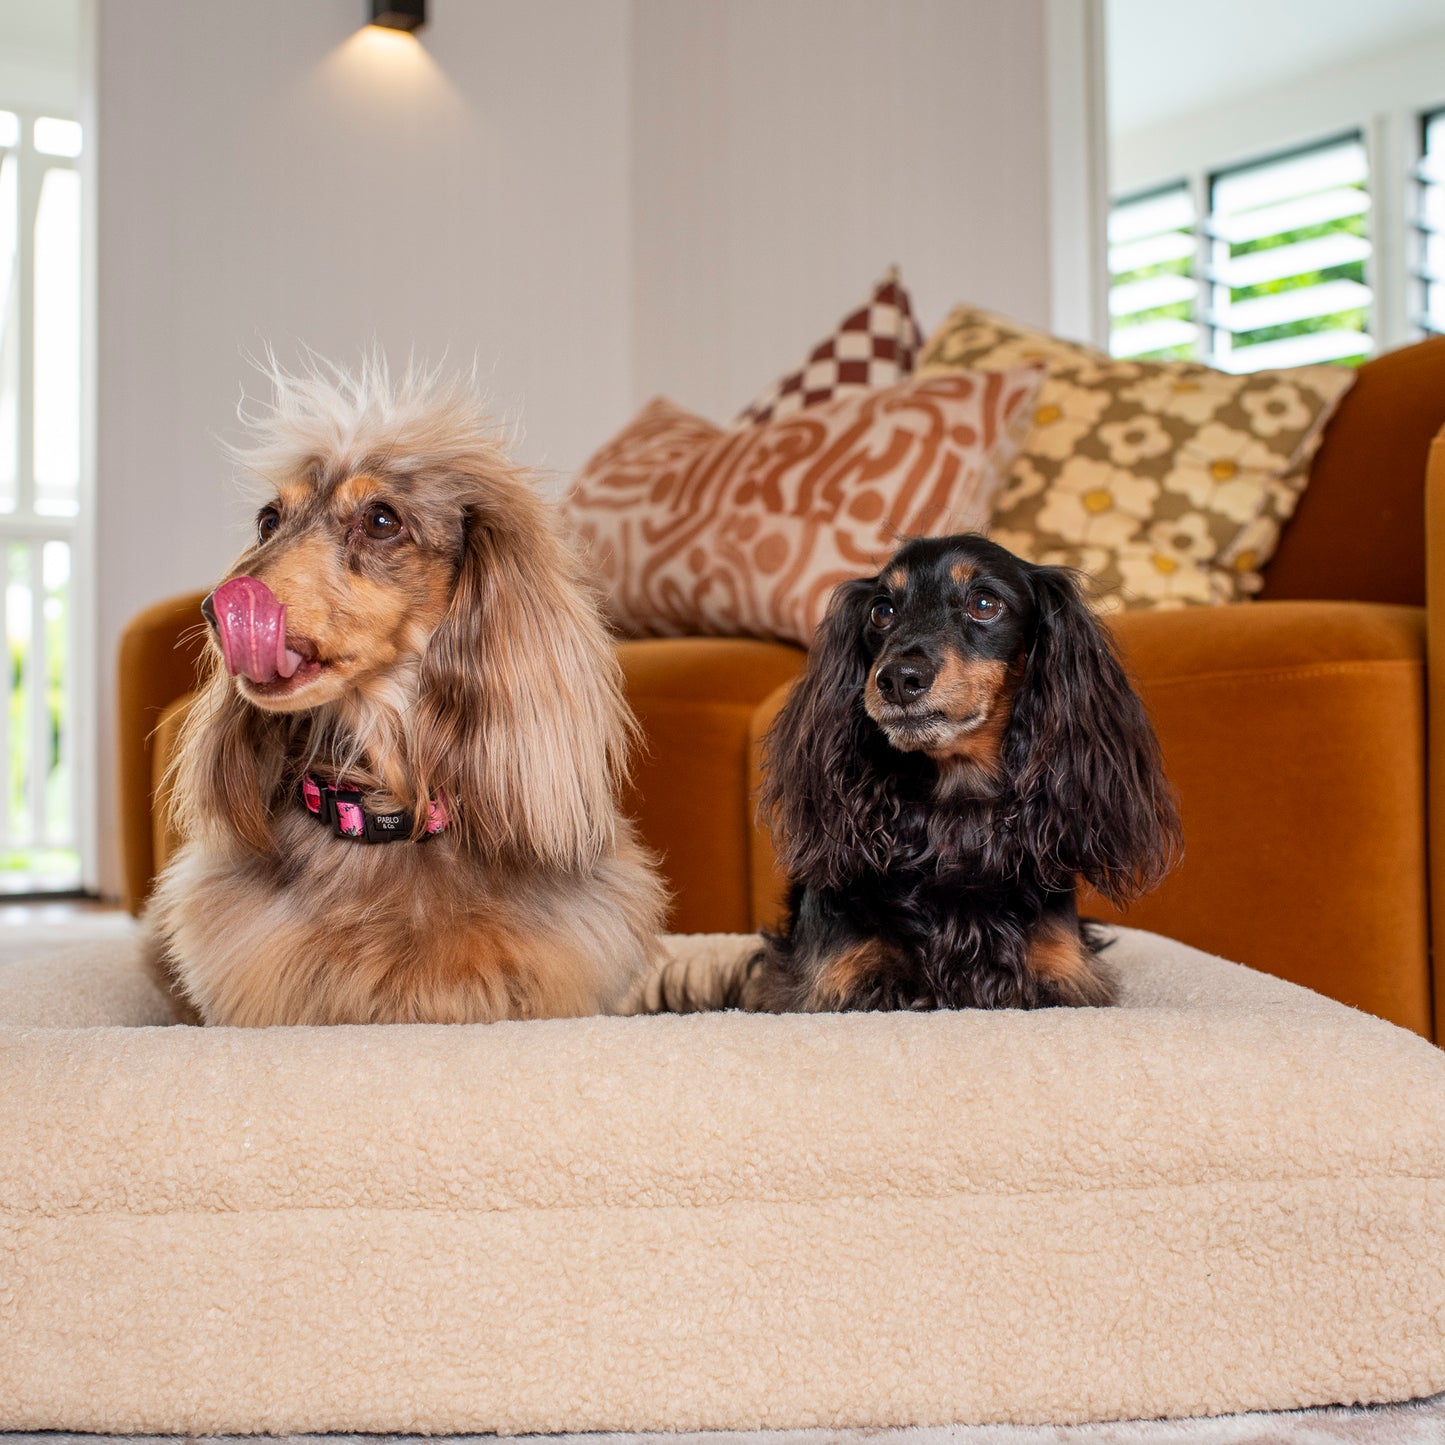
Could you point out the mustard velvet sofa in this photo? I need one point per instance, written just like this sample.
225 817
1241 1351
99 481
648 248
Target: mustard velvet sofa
1295 727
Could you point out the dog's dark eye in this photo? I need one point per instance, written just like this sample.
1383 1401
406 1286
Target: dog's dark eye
381 522
268 519
881 615
984 607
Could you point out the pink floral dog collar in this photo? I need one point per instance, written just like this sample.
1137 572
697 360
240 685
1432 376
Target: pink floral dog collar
339 806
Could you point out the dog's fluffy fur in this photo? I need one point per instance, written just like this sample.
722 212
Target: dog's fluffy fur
464 660
963 747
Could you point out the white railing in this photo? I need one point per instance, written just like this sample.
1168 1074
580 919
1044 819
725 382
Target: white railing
40 429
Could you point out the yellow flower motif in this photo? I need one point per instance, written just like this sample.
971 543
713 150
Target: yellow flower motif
1024 481
1170 565
1193 397
1092 561
1134 440
1092 503
1223 470
1065 415
1245 555
1279 409
989 347
1151 578
1102 371
1186 539
1019 541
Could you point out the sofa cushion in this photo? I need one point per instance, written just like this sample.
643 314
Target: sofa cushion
1227 1194
1357 532
697 530
159 652
874 346
1168 482
690 791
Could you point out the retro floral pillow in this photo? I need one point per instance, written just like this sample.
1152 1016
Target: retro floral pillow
1167 482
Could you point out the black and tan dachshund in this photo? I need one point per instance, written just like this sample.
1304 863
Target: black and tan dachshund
964 747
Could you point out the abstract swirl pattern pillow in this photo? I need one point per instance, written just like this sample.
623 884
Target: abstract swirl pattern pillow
699 530
1167 482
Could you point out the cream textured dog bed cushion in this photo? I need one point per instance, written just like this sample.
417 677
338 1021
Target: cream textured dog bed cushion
1225 1195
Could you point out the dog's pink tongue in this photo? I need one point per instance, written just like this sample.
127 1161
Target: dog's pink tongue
252 628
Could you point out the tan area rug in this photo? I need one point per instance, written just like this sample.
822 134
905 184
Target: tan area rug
1416 1422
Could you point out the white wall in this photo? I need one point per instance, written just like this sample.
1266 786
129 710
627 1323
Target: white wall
1170 59
604 198
786 151
1294 110
266 173
39 55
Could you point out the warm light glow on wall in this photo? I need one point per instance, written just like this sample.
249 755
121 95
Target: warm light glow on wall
391 57
381 42
388 71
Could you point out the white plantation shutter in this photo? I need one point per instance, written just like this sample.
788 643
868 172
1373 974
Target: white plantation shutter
1288 248
1430 225
42 630
1273 274
1153 293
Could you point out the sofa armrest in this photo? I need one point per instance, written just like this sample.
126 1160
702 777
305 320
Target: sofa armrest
1435 613
1295 734
694 698
165 840
159 651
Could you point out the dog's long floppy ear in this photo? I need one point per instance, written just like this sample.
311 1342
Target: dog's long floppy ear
822 794
520 723
1093 798
228 766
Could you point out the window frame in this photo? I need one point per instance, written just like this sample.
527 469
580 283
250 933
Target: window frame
1421 281
26 525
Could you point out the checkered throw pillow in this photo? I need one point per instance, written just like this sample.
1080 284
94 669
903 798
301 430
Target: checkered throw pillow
874 346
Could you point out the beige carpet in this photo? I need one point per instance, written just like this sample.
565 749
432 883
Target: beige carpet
1421 1422
35 930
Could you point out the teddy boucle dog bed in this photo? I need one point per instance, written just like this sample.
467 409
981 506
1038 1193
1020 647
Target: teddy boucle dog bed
1226 1194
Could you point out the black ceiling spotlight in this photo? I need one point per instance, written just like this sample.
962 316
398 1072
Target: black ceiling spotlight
399 14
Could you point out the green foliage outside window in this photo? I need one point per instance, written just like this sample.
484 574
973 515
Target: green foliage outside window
1356 319
1175 311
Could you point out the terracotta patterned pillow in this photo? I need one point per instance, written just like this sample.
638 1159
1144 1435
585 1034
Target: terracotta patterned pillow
697 529
1168 482
873 346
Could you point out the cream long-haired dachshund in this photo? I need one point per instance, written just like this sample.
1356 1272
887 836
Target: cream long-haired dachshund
398 787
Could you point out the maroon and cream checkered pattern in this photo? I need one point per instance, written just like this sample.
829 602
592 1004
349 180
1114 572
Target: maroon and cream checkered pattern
874 346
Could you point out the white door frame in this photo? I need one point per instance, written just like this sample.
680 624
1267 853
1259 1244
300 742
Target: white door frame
1078 169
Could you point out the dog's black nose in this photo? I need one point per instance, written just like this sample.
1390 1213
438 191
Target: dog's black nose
906 680
208 611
